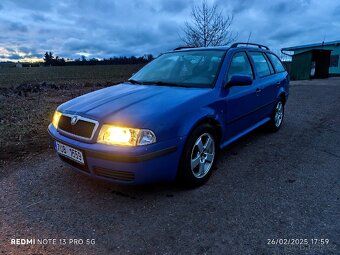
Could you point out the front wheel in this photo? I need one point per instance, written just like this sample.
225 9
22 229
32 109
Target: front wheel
198 157
277 117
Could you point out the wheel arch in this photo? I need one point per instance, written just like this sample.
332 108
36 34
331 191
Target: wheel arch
282 95
213 122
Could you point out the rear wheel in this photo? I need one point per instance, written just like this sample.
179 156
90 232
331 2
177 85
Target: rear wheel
198 157
277 117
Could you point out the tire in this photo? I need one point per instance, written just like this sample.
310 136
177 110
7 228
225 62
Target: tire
276 120
198 157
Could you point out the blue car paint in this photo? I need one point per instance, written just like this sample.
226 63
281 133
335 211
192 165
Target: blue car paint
171 113
148 171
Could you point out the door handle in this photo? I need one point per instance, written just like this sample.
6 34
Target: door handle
258 91
278 83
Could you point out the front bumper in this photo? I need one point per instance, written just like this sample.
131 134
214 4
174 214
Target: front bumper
126 165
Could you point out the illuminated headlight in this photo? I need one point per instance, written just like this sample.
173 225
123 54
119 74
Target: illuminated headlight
56 118
115 135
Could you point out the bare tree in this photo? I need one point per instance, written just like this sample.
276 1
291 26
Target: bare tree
208 27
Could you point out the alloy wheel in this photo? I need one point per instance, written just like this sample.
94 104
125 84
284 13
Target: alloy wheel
202 155
278 114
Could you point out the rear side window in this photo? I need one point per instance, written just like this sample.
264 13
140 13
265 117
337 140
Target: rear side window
276 63
270 65
240 66
261 64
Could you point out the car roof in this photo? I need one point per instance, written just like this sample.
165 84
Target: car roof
248 46
224 48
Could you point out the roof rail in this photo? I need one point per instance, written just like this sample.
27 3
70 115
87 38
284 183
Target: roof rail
184 47
253 44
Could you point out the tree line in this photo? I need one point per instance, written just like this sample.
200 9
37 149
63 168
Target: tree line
51 60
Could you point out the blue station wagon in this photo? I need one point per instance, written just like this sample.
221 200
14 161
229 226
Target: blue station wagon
170 119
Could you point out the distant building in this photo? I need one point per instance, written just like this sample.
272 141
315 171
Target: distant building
318 60
18 65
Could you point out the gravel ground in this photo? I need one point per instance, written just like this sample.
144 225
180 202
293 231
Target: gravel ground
266 186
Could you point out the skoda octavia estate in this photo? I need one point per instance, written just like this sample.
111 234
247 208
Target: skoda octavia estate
170 119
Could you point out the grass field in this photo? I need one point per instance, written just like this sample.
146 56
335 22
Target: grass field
24 117
101 74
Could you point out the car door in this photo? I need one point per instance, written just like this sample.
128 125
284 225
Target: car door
281 75
265 82
240 101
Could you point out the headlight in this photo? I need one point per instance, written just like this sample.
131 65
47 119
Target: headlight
110 134
56 117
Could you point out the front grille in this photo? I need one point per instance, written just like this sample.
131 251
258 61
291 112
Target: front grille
82 128
75 164
114 174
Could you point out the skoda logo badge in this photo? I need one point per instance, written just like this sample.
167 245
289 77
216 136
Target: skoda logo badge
74 120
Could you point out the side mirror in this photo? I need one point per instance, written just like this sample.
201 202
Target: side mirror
239 80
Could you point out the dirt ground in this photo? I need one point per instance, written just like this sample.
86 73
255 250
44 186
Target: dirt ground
29 96
60 75
266 187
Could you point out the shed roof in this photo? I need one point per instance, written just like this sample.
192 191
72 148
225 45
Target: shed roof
336 43
312 50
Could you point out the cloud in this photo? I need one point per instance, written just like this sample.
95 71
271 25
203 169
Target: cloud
12 56
336 11
105 28
17 27
38 17
35 5
174 6
236 6
284 35
290 7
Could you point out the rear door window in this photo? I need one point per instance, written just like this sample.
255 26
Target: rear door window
276 63
270 65
262 66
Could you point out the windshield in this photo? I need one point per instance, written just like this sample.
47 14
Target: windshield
186 68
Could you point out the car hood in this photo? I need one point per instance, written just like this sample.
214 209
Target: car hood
132 105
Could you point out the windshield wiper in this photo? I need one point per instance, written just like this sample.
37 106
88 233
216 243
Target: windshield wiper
134 81
163 83
158 83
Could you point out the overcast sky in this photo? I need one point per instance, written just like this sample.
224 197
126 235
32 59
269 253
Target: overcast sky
104 28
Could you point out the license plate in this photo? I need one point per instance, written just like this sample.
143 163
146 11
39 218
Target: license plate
69 152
